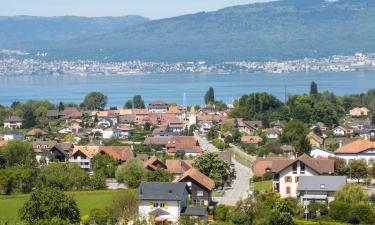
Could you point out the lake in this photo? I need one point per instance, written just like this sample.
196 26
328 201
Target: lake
171 87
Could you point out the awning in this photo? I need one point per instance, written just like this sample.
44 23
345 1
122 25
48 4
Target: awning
159 212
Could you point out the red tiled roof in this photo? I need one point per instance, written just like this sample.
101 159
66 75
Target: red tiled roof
356 147
199 177
118 152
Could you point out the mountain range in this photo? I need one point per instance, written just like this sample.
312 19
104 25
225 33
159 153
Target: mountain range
279 30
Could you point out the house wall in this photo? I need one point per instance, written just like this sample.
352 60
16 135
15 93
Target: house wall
293 184
81 160
194 187
174 209
368 156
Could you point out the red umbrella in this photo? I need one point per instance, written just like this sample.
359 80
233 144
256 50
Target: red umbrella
159 219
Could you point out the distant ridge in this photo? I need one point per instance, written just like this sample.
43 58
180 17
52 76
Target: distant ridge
279 30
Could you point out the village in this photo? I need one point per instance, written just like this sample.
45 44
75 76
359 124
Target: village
193 161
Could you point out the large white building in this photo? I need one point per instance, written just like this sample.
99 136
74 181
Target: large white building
360 149
288 172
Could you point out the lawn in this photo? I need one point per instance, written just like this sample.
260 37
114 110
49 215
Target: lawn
262 186
86 200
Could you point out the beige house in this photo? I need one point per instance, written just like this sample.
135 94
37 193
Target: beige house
359 111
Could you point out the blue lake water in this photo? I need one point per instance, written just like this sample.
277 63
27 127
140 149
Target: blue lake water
171 87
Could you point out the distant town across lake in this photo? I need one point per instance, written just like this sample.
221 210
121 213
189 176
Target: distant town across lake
171 87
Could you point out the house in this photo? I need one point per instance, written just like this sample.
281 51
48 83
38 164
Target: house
178 167
82 156
13 135
360 149
158 107
321 153
249 126
120 153
35 133
141 116
256 140
48 151
205 122
154 164
126 131
192 116
200 186
322 127
359 111
273 133
319 188
286 173
342 130
104 122
110 133
13 122
315 140
166 202
187 144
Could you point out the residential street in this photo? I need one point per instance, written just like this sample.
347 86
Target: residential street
241 185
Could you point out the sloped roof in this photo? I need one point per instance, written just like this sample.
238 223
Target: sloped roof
198 177
176 166
118 152
321 183
150 163
88 151
35 132
166 191
356 147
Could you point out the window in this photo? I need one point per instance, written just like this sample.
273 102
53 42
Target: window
288 179
322 186
297 179
302 168
288 190
199 193
189 184
161 205
156 205
295 168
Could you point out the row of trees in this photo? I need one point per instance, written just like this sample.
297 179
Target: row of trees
317 107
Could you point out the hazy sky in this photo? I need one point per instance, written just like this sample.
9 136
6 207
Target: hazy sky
153 9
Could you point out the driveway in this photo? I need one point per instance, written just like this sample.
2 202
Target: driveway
240 186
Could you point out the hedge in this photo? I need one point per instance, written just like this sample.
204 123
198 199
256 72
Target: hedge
301 222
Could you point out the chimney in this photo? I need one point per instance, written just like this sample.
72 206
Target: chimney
372 135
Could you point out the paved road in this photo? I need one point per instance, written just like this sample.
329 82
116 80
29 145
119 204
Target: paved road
240 187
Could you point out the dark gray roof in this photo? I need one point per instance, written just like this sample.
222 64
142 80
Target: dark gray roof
321 183
194 211
162 191
13 119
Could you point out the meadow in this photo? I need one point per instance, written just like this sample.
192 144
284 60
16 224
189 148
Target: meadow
86 200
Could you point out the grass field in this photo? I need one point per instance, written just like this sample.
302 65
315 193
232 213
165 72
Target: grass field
86 200
262 186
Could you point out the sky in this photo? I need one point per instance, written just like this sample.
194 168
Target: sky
153 9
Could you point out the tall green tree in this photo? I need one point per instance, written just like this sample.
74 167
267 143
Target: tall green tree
125 206
47 204
351 194
293 130
138 102
209 97
128 104
358 169
95 101
19 153
302 146
104 164
28 116
131 173
212 166
313 88
61 106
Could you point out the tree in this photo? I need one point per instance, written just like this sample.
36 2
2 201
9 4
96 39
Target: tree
138 102
100 217
325 112
339 210
313 88
19 153
29 119
61 107
341 168
373 118
358 169
212 133
159 176
125 206
46 204
361 214
222 212
63 176
212 166
220 105
351 194
95 101
209 97
302 146
219 144
104 164
128 104
302 112
131 173
293 130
